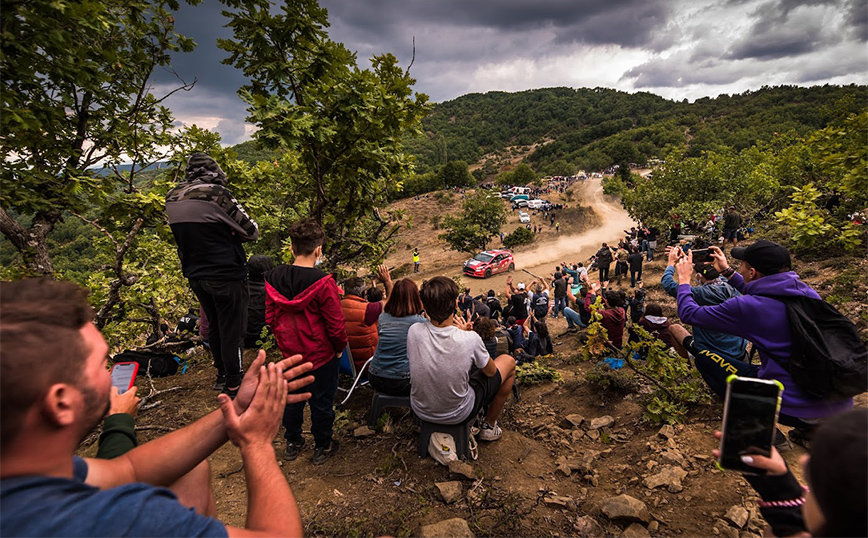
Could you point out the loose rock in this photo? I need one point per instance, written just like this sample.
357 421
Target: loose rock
737 516
653 526
363 431
571 422
669 476
729 532
585 462
451 528
593 435
587 527
667 431
627 508
462 469
560 501
449 491
635 530
602 422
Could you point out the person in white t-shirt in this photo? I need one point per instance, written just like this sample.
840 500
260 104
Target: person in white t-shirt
441 354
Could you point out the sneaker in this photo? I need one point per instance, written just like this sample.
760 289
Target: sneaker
232 393
801 437
488 432
293 449
781 442
321 454
220 384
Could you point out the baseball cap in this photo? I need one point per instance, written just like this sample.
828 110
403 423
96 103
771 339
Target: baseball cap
521 285
707 270
767 257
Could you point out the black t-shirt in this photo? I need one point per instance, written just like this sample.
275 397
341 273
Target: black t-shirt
519 308
560 286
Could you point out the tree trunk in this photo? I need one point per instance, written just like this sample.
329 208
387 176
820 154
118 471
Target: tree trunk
30 242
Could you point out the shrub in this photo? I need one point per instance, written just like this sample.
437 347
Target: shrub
521 236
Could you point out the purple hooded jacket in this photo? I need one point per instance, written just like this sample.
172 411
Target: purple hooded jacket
763 321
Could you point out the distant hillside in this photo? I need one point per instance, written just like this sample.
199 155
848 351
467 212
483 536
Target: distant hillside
596 128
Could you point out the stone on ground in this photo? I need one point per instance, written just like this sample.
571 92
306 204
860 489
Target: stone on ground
667 431
449 491
363 431
450 528
635 530
737 516
462 469
587 527
571 422
602 422
627 508
669 476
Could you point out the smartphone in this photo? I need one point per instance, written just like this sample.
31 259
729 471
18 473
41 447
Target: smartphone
700 256
124 375
750 417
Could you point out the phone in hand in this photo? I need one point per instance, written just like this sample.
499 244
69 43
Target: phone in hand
124 375
750 417
701 256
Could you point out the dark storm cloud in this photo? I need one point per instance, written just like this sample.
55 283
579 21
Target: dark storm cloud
786 28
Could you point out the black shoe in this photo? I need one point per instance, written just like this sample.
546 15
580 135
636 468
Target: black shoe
220 384
321 454
232 393
802 437
293 449
781 442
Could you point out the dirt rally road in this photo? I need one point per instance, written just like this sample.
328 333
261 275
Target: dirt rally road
571 248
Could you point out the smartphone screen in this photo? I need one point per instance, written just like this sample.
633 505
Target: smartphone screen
750 416
701 256
124 375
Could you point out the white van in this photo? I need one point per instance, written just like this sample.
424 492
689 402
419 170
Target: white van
536 204
520 190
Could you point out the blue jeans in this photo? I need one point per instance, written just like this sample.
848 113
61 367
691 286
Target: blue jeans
322 412
573 318
560 305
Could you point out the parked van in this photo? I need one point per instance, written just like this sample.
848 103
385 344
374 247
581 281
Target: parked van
520 190
537 204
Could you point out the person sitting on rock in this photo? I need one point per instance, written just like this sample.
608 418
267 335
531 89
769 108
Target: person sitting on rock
441 353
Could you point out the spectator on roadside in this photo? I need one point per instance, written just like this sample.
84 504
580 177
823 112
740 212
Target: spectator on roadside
441 353
257 266
303 309
656 323
834 505
754 315
389 372
360 316
495 340
651 235
621 256
495 309
46 490
581 315
604 261
209 226
560 285
517 300
614 317
465 302
634 260
539 300
731 224
637 303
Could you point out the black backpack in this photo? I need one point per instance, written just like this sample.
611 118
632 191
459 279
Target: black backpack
158 364
827 359
540 305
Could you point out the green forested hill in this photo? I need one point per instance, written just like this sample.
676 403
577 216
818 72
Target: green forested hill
595 128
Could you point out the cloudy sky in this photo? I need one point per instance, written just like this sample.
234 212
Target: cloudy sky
679 49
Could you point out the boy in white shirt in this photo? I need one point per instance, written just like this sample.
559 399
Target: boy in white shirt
441 354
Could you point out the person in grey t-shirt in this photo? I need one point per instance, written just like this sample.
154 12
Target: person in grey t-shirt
441 353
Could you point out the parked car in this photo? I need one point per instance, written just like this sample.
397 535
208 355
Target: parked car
523 217
538 204
518 197
519 203
489 262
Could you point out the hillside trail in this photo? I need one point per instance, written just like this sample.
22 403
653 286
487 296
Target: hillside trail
571 248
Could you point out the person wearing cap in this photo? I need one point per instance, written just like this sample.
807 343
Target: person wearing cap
731 224
712 290
494 307
517 300
765 270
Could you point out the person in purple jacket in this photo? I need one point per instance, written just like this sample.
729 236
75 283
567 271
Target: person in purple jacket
765 271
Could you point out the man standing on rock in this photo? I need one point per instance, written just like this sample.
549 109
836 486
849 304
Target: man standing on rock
210 226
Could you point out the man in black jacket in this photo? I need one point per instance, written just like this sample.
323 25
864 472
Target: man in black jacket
604 261
210 226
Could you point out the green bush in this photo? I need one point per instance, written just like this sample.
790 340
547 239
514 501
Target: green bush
521 236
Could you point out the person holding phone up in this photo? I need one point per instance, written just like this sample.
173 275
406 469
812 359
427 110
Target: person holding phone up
765 270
